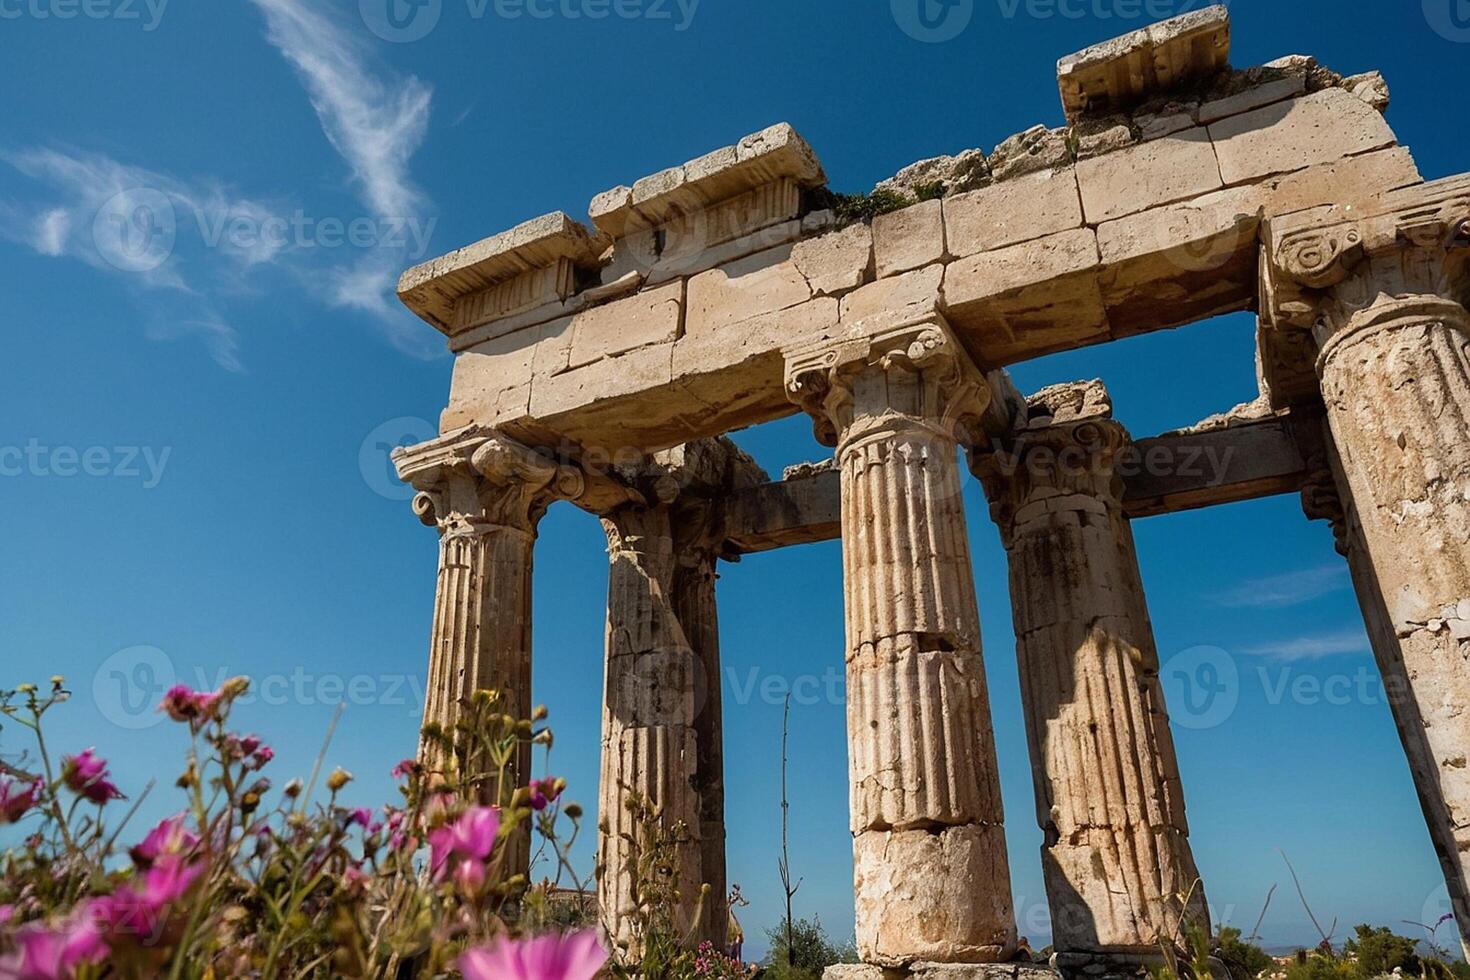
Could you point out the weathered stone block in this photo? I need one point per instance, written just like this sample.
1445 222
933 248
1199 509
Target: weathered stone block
1371 87
1106 134
752 286
1197 258
908 239
651 317
1276 90
1316 128
1011 212
837 262
990 275
1037 149
1128 69
957 174
1159 171
932 897
917 290
609 378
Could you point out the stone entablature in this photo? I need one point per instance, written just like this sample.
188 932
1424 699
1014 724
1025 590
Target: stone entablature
666 324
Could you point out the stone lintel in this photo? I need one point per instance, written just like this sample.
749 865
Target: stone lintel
432 288
1239 460
1150 61
761 158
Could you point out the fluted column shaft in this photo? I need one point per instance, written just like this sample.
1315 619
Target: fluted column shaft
695 607
1116 854
485 494
1379 289
932 878
1397 391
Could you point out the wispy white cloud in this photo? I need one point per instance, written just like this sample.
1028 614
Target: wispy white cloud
1312 647
131 221
198 238
375 124
1287 589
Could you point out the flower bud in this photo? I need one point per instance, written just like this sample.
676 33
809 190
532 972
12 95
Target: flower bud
338 779
540 713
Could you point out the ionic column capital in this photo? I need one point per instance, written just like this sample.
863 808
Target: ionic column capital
917 374
1339 272
1067 452
479 481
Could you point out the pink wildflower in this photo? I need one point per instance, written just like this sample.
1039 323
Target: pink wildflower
17 799
195 707
408 767
470 838
169 839
46 953
545 792
143 909
86 775
577 956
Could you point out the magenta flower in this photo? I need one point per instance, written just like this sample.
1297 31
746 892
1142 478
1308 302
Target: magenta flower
44 953
545 792
470 838
7 912
262 756
143 909
577 956
408 767
17 799
86 775
169 839
363 817
183 704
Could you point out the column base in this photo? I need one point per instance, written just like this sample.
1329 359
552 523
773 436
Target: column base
943 971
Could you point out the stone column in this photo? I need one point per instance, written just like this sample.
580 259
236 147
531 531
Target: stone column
931 874
1381 289
662 736
485 494
1116 855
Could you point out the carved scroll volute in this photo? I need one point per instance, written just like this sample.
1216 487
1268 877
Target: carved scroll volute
822 380
815 384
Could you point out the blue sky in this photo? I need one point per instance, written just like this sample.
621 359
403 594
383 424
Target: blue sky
194 433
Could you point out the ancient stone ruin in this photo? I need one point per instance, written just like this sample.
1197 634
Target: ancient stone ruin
604 366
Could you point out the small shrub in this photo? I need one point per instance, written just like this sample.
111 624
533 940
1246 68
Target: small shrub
1244 960
1379 952
866 207
811 951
